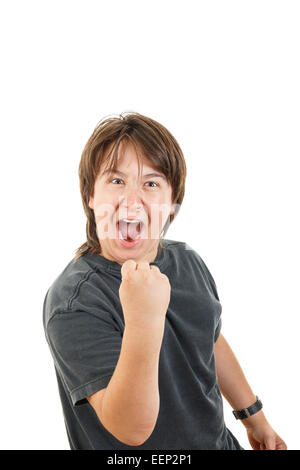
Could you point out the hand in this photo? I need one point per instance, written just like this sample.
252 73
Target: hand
263 437
144 294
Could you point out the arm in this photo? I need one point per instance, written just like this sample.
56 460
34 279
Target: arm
232 381
129 406
235 388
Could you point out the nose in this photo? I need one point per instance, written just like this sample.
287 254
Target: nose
131 198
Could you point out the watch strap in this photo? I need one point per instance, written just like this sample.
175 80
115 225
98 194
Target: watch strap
251 410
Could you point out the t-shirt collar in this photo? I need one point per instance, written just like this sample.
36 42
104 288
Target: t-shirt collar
102 263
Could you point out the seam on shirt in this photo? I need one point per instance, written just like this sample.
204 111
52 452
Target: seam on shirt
88 383
175 243
79 284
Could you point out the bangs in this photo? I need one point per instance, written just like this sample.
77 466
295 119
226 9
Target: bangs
116 149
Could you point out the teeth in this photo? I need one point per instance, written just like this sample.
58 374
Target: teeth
127 221
130 221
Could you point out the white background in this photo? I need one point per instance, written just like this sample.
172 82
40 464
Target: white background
223 77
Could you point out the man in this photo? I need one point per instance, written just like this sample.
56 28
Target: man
133 322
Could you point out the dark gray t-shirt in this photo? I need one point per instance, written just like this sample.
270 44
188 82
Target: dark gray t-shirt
84 325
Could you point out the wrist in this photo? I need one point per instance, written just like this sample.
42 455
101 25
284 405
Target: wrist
257 419
147 325
144 338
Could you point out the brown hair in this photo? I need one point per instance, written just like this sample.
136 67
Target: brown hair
147 135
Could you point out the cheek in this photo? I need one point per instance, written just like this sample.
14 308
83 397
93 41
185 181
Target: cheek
159 213
104 207
160 201
158 197
104 196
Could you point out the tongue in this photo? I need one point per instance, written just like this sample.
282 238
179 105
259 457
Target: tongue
129 230
133 231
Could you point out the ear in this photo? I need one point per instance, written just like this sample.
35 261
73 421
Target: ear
172 210
91 203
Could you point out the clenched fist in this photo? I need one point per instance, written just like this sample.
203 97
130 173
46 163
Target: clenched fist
144 294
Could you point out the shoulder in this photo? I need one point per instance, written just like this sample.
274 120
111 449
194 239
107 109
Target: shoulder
175 245
182 250
182 254
191 261
60 297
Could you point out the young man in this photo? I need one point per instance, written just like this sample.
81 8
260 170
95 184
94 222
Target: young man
133 321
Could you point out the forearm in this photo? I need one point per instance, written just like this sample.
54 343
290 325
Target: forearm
130 404
232 381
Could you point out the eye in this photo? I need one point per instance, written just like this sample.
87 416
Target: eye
153 183
150 182
118 179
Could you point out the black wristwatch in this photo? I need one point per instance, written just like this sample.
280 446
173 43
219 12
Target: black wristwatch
246 412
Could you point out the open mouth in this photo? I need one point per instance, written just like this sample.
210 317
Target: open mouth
129 231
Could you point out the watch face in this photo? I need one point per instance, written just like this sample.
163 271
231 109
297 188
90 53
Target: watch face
244 413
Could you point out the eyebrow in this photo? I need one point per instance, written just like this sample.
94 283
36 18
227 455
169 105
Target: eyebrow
118 172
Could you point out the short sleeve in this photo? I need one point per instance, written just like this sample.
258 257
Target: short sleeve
85 348
215 292
211 280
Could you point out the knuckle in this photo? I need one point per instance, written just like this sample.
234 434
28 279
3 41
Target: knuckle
127 266
143 264
129 263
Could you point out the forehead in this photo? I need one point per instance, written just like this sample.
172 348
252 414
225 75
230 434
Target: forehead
127 162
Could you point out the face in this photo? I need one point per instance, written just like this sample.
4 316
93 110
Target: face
146 199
